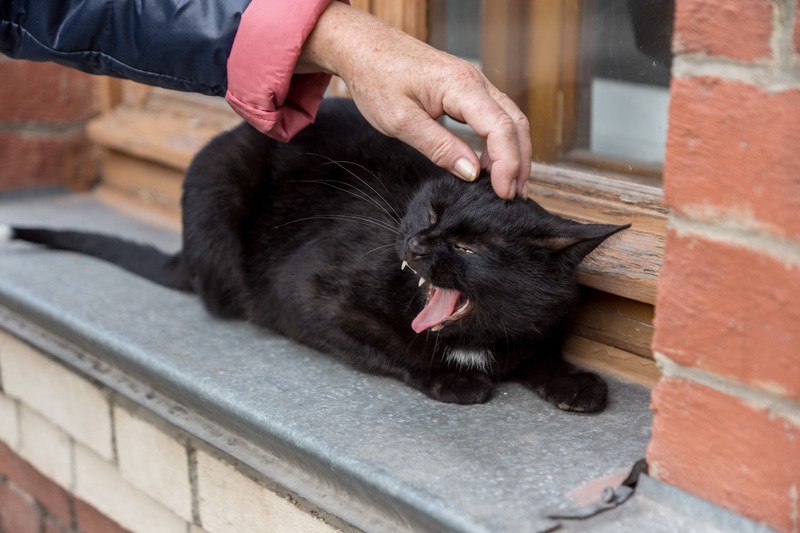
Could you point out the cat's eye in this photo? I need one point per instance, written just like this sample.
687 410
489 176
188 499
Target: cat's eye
432 217
461 248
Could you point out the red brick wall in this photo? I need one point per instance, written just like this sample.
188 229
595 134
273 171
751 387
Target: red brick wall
32 503
43 108
727 326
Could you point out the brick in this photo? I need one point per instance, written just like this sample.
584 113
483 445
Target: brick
9 433
722 449
738 29
90 520
731 311
230 501
733 147
44 490
71 402
44 92
18 513
154 462
45 446
45 159
100 484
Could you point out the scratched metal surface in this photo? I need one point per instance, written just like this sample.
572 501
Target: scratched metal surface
488 468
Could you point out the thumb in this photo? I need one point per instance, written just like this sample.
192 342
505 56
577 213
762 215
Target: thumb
442 147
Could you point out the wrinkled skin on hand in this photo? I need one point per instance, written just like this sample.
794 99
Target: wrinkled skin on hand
402 85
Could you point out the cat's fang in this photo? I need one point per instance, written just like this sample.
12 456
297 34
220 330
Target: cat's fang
421 282
406 265
437 327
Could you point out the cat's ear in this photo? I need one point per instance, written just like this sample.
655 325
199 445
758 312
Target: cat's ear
572 241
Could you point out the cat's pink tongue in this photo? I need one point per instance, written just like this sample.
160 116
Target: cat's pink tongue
439 308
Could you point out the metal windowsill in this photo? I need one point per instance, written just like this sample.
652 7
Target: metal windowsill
367 449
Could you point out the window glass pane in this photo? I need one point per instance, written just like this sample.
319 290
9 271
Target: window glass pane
462 29
455 27
592 75
624 78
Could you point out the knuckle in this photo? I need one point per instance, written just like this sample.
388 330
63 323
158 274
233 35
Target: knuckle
439 152
505 124
391 128
396 120
464 72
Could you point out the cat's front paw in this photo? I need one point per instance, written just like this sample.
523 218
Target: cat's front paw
583 392
457 387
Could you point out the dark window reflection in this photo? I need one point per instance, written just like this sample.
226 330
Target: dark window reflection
625 71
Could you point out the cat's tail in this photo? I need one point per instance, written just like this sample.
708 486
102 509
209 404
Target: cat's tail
140 259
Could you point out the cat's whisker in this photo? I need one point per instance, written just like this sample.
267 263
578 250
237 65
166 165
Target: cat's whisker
363 196
435 347
371 173
377 178
356 176
505 329
362 180
344 217
390 245
366 197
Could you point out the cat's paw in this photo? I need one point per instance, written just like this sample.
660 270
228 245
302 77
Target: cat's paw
458 387
583 392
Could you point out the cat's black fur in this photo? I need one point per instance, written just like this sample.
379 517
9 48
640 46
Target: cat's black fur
307 238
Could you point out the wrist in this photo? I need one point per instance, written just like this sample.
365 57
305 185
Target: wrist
322 47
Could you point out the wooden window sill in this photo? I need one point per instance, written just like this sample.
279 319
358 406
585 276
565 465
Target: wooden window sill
629 263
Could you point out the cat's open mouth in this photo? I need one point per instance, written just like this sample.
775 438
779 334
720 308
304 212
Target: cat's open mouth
443 307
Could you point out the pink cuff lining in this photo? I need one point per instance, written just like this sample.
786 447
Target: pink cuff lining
298 110
261 85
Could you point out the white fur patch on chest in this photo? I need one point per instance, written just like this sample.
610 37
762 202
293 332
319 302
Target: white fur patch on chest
477 359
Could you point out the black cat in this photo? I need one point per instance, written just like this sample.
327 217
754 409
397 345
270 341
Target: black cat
308 239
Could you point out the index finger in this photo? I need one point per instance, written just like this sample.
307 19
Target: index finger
489 120
523 136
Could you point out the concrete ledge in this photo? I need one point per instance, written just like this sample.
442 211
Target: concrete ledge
369 450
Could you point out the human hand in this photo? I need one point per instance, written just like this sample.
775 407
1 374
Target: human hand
402 85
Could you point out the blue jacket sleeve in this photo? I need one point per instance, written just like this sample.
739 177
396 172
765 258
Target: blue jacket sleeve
176 44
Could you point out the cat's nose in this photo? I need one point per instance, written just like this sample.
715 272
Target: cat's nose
417 248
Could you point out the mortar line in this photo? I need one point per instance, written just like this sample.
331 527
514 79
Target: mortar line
191 457
775 404
18 421
740 234
42 129
113 422
773 75
782 32
73 467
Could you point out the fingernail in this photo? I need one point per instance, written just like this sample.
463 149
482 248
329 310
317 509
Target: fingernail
523 191
512 191
466 170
